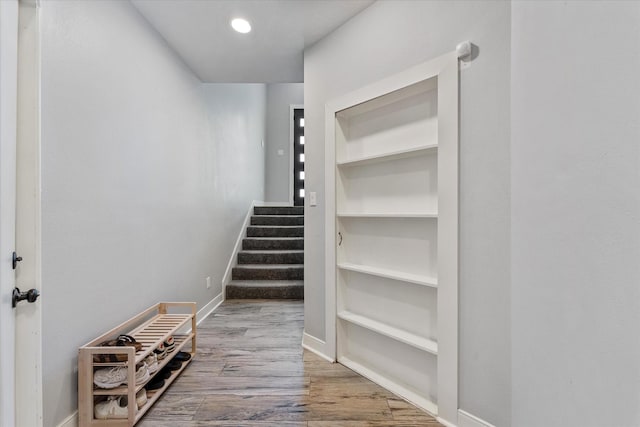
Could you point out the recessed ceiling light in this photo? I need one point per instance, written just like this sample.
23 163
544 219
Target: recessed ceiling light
241 25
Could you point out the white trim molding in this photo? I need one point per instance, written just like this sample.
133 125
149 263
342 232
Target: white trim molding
209 308
316 346
226 278
465 419
70 421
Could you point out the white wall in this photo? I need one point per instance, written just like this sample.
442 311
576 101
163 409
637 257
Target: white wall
388 37
277 174
147 175
576 213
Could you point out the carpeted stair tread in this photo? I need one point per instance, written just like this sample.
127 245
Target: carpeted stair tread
268 272
275 231
266 283
273 266
277 220
271 257
291 251
265 289
272 243
278 210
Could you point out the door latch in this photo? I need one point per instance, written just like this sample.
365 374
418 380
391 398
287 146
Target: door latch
15 260
31 296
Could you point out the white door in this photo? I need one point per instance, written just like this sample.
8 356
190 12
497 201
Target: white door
28 362
392 207
20 373
8 113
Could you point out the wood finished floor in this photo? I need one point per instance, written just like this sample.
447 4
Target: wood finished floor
251 371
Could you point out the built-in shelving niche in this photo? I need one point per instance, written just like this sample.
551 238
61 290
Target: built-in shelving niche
393 147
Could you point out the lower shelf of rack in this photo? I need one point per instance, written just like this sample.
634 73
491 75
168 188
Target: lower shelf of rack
153 396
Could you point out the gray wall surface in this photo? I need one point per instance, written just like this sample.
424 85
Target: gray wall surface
147 175
389 37
277 173
576 214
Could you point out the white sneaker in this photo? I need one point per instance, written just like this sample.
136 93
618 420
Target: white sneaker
141 398
152 363
110 377
117 376
142 374
114 407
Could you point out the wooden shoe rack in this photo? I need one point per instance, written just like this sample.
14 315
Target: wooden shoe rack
150 328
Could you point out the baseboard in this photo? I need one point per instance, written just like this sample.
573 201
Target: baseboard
234 254
205 311
445 422
465 419
70 421
315 346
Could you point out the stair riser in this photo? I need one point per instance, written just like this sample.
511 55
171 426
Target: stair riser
239 273
277 220
275 232
259 244
275 258
293 292
278 210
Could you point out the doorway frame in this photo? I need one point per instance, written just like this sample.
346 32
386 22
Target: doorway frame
446 69
291 108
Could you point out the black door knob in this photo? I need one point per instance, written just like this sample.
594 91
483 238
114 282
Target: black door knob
31 296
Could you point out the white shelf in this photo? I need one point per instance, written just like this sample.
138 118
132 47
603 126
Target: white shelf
390 384
417 279
386 215
392 155
397 334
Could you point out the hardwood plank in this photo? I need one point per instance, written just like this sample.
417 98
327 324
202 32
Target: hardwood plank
403 410
157 423
174 407
414 423
242 386
259 408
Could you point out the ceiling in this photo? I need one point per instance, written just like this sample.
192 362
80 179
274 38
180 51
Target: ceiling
200 32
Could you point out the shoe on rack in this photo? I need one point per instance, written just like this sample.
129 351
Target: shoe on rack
113 407
182 356
110 377
156 383
170 345
164 373
141 398
152 363
174 365
160 352
142 374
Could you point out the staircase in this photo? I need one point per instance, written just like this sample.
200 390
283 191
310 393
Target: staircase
271 262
